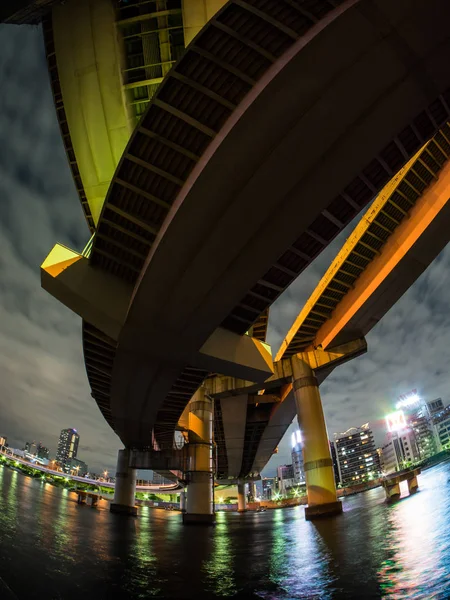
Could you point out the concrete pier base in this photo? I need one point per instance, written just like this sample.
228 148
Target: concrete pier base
413 486
183 501
391 483
198 519
242 500
392 492
122 509
319 511
125 490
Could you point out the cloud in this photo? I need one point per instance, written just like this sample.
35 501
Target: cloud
43 385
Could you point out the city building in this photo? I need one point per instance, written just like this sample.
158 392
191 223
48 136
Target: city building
441 423
74 466
399 451
435 406
31 448
418 417
335 462
357 458
285 478
297 457
425 435
268 488
3 440
43 452
67 446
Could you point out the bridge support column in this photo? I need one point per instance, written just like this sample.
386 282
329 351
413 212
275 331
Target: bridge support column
125 490
242 500
183 501
320 484
413 485
199 504
392 491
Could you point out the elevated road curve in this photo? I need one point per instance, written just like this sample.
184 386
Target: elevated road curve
398 237
266 138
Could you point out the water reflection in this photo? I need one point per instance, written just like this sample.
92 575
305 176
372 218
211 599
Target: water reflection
373 550
219 569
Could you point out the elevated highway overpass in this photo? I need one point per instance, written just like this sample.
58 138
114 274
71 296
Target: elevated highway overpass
264 140
156 489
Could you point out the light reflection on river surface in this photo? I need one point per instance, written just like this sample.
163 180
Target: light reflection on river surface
54 549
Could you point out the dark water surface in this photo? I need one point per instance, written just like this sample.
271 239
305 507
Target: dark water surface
52 548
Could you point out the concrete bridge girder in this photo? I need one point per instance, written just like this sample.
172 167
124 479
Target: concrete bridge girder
103 300
280 389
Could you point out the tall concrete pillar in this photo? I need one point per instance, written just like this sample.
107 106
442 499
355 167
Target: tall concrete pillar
125 490
242 500
199 475
183 501
320 484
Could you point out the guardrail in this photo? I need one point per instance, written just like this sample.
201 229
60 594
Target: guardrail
163 488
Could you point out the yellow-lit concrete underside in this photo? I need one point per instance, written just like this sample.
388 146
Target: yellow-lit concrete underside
89 68
90 60
196 13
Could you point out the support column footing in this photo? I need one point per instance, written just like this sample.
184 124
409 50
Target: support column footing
122 509
198 519
318 511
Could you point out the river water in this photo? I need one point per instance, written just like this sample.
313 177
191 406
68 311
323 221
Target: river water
52 548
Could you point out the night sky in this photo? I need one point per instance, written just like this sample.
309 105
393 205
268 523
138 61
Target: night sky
43 385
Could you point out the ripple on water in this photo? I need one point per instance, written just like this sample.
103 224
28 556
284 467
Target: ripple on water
53 548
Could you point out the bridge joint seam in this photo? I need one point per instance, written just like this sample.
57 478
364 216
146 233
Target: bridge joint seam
150 167
203 90
159 138
244 40
223 64
185 117
265 17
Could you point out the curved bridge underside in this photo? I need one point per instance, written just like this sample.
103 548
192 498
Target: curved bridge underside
262 143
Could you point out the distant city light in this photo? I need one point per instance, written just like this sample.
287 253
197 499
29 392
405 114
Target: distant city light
408 400
296 438
396 421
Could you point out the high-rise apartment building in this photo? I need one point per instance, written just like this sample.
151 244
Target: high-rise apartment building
435 406
285 478
43 452
335 462
31 448
67 446
358 460
297 458
268 487
441 422
418 416
399 451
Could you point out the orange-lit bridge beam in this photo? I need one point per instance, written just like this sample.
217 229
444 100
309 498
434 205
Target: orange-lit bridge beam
406 254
